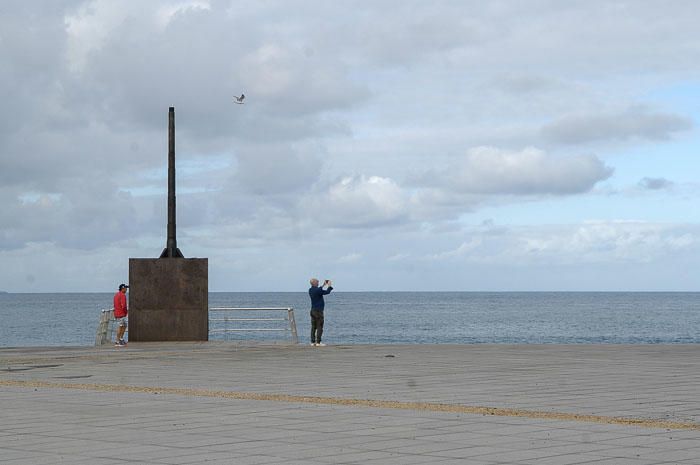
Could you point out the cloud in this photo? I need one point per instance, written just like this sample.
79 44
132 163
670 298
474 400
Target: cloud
360 202
654 184
398 257
632 241
85 93
88 25
464 249
415 33
350 258
276 169
84 216
354 131
637 122
525 84
490 170
166 13
588 242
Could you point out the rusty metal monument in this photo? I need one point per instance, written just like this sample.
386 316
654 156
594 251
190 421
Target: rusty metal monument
169 295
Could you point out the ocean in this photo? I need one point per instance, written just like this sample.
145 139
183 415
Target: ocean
66 319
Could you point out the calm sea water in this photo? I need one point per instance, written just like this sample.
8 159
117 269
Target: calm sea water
398 317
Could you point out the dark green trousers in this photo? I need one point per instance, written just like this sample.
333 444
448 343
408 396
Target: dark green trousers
316 326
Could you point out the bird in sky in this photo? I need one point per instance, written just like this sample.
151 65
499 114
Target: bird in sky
239 99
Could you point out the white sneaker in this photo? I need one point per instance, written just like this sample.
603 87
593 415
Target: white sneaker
313 344
321 344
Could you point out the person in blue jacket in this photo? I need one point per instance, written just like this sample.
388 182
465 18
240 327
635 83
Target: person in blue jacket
317 305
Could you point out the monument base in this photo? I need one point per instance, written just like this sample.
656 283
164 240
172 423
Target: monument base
168 299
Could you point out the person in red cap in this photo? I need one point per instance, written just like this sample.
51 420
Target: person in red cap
120 313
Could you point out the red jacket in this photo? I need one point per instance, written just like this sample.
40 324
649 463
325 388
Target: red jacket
120 310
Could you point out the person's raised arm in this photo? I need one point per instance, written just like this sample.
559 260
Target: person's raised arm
330 287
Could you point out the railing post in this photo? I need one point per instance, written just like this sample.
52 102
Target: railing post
103 335
293 325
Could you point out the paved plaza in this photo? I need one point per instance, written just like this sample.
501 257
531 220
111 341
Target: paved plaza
226 403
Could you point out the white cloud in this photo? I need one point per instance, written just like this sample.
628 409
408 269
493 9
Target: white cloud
590 242
350 258
88 26
490 170
360 202
398 257
464 250
636 122
630 241
165 13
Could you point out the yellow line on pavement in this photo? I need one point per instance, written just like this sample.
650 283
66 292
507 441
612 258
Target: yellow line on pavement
388 404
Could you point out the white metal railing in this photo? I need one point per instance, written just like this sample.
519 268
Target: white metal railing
106 328
291 325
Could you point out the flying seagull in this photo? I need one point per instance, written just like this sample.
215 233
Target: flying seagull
239 99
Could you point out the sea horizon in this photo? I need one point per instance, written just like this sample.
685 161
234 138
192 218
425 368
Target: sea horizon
398 291
399 317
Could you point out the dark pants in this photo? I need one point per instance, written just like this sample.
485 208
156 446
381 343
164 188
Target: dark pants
316 325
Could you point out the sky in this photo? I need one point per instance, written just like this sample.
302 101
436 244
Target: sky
386 145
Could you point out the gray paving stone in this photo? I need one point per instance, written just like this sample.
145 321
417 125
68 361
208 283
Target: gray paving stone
622 461
673 455
49 424
568 459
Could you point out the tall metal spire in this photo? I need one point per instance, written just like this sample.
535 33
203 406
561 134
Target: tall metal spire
171 250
